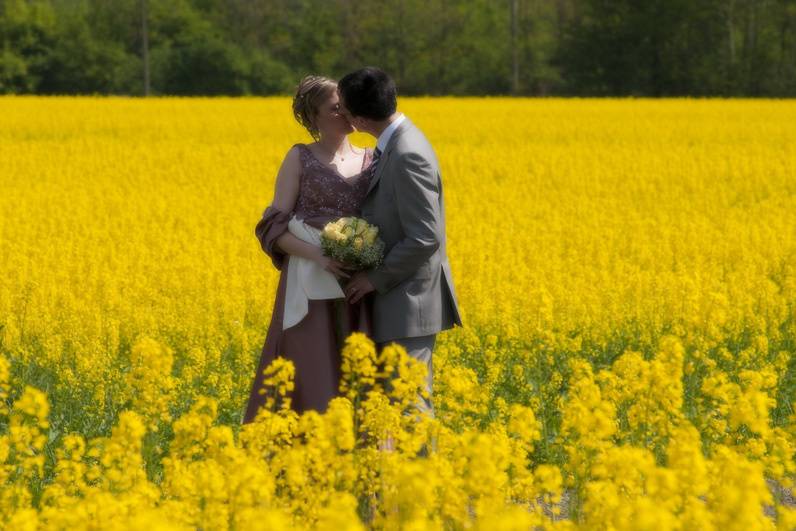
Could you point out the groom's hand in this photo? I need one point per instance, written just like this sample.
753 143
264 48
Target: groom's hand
357 287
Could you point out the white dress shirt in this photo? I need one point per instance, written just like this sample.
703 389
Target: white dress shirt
385 135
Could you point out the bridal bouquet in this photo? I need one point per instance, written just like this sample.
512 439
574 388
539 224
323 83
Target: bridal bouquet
354 242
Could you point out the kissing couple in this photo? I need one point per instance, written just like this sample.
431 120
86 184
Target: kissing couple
397 187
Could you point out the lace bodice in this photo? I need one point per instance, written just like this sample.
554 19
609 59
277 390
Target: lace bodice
324 194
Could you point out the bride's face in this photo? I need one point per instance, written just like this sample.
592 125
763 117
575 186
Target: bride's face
330 120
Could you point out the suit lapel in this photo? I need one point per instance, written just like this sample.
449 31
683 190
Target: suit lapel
387 150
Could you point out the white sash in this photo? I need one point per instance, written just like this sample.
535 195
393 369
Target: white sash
306 279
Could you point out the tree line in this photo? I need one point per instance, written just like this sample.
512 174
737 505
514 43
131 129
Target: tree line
431 47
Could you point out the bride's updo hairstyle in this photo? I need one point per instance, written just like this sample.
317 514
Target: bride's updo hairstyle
312 92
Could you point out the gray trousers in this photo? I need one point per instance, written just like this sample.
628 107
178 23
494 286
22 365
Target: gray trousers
420 348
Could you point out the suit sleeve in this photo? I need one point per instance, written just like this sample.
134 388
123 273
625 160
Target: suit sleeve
417 201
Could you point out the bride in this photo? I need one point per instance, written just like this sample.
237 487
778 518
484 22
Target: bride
316 183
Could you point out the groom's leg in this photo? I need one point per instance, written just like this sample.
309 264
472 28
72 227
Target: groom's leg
421 349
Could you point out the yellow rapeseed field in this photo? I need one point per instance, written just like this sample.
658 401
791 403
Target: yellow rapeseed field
626 271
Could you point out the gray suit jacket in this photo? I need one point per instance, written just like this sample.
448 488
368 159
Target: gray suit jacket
414 287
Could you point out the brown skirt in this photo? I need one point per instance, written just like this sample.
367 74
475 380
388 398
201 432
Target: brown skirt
313 345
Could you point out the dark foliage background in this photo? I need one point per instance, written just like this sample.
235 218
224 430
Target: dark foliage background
433 47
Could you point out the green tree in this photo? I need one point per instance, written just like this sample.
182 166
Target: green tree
26 39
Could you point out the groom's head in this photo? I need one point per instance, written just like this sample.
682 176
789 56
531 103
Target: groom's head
367 98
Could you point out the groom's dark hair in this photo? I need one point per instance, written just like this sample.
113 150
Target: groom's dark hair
368 92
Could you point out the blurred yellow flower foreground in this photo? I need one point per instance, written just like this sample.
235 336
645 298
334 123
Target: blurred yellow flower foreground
626 271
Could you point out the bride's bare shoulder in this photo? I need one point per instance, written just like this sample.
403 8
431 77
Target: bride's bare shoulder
292 162
296 150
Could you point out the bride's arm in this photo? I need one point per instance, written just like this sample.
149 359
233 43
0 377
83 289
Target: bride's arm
272 231
285 195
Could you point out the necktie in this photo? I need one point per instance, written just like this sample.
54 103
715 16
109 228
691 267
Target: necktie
376 155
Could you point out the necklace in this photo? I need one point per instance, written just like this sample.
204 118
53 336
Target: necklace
334 154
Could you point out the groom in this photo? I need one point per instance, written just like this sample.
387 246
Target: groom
414 295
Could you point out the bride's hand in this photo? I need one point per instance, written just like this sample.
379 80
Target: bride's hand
334 267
